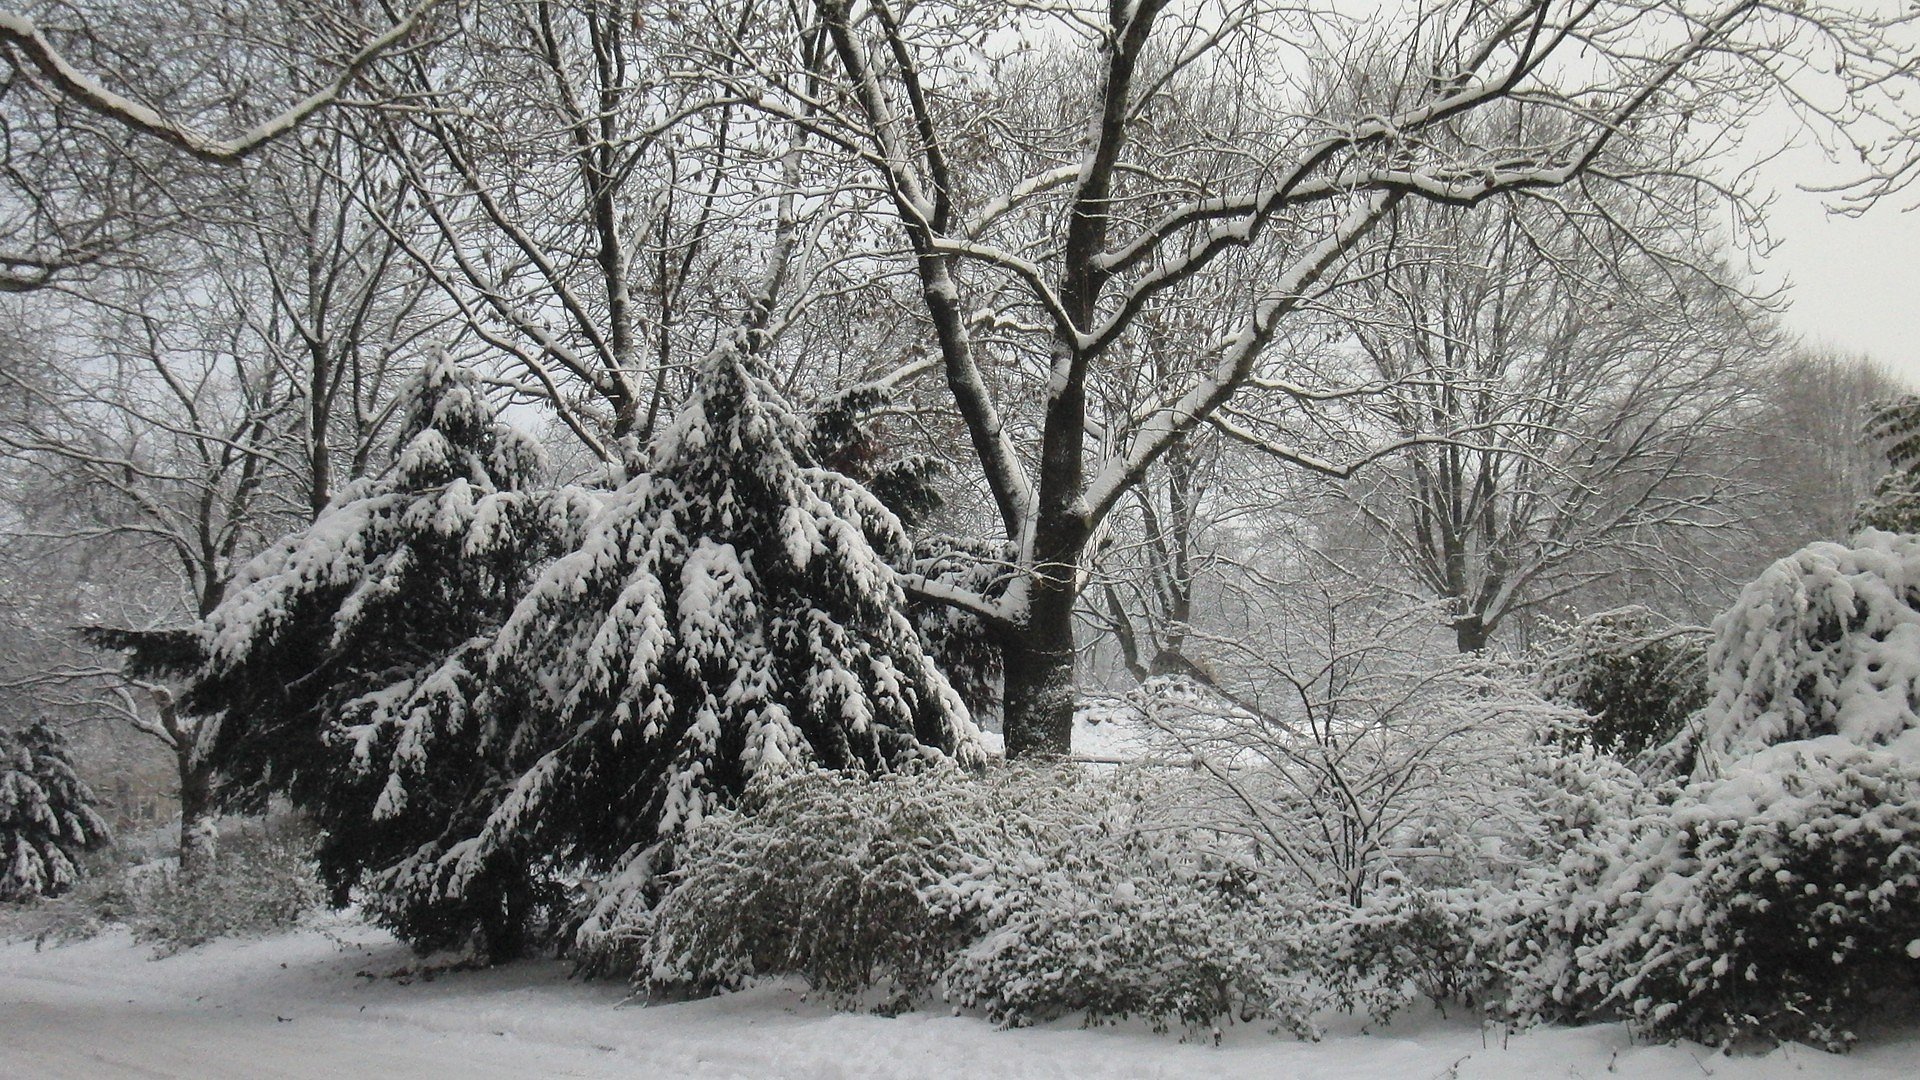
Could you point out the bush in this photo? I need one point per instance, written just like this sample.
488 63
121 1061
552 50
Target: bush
97 901
1529 928
820 876
1772 891
1401 947
1027 894
1079 901
1825 642
264 880
1780 902
1774 894
1638 678
1501 929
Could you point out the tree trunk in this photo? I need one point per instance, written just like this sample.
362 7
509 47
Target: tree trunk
197 830
1470 633
1038 665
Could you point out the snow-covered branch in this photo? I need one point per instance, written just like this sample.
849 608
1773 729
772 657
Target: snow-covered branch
21 34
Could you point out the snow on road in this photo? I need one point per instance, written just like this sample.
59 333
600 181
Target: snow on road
325 1003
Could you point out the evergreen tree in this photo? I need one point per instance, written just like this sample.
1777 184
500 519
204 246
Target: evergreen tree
1894 505
732 613
962 644
845 436
47 815
340 662
1637 676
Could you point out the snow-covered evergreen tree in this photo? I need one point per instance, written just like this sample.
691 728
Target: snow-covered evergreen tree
731 613
342 659
1638 677
843 435
1894 505
1825 642
47 815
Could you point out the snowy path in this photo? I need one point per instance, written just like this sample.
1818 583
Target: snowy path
295 1007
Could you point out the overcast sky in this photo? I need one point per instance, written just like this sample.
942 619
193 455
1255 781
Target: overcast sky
1855 281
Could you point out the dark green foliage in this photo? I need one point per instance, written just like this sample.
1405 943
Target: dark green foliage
164 653
47 815
730 614
1638 676
843 435
341 660
1894 505
961 644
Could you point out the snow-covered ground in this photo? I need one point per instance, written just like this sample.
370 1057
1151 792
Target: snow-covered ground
327 1003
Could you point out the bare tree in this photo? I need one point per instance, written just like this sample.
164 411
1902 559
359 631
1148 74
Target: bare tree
76 82
1808 458
159 441
1566 397
330 298
1342 741
580 197
1338 120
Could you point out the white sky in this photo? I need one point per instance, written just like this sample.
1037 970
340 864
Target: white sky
1855 281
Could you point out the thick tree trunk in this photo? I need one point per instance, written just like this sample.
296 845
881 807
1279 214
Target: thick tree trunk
1470 633
197 830
1039 698
1038 663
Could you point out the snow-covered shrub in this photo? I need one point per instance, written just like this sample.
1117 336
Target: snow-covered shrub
1636 678
821 875
1775 893
47 815
1531 924
1501 930
265 880
1028 894
1824 642
1398 948
1779 890
1085 899
95 903
1785 888
1778 901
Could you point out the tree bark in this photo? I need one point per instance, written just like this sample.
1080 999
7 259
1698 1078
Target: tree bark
1039 690
197 829
1470 633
